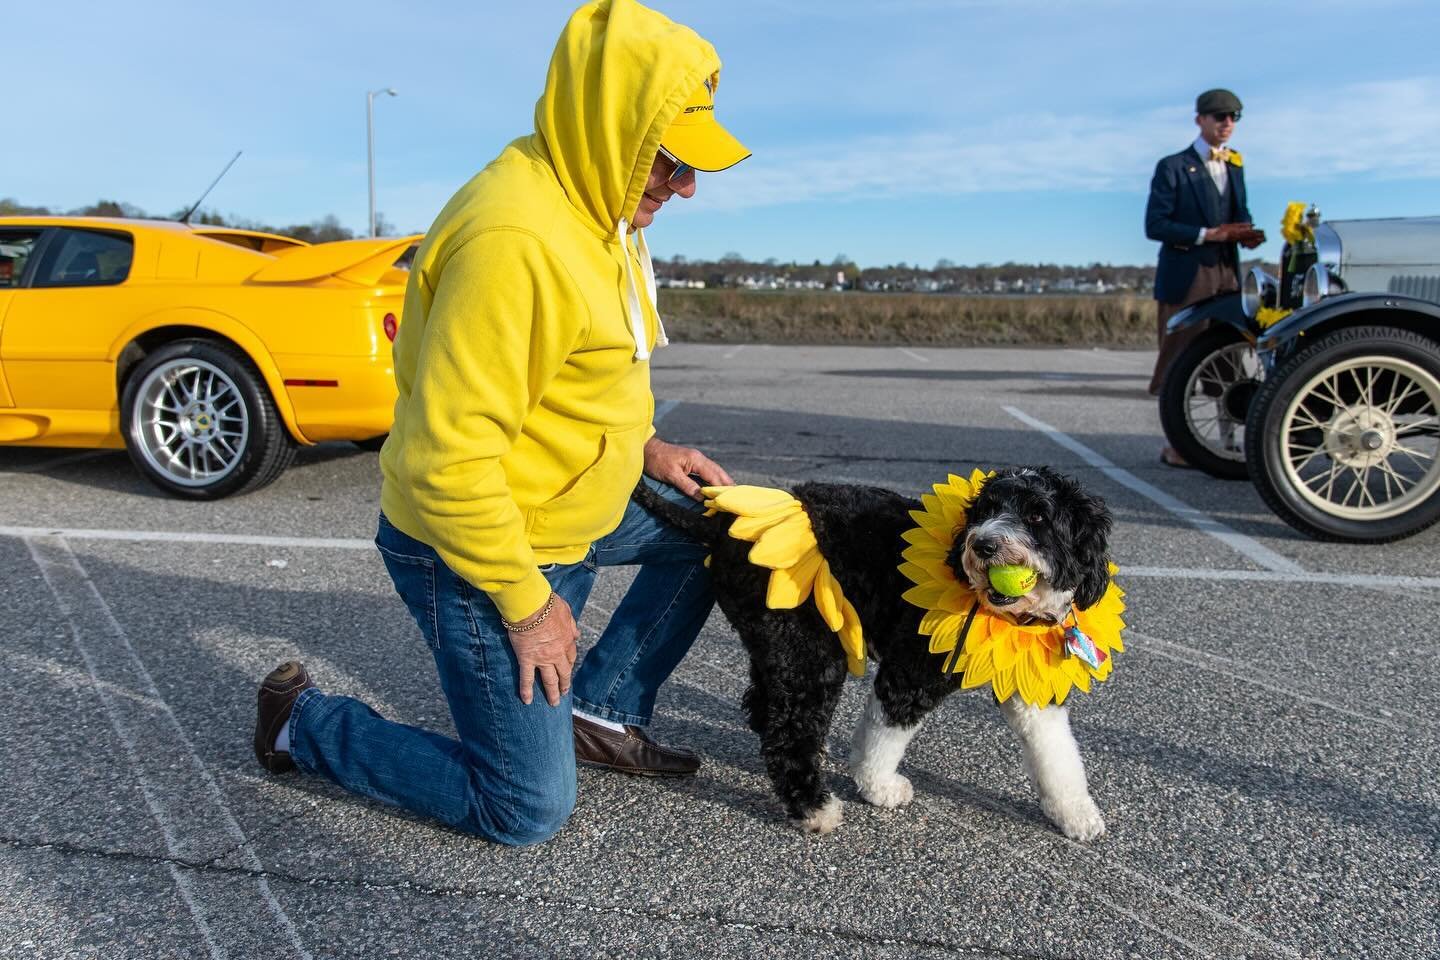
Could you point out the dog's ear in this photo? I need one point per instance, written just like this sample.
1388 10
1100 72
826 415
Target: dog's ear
1087 563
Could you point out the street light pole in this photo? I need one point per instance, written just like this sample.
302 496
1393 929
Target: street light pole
370 144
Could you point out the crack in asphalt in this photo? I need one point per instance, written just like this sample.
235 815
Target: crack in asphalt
505 896
265 830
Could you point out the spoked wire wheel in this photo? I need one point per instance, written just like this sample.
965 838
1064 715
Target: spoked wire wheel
1206 397
191 422
1361 439
1343 440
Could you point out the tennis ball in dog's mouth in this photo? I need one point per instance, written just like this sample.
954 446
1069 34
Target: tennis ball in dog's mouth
1012 580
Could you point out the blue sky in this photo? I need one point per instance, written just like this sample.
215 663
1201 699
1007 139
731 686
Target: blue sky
886 131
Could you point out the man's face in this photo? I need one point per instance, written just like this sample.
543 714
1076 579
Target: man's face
660 188
1216 127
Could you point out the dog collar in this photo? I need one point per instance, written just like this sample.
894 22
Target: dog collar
1041 662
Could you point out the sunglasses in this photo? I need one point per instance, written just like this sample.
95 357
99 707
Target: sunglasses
1223 115
680 168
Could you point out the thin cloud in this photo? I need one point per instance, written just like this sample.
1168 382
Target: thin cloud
1379 130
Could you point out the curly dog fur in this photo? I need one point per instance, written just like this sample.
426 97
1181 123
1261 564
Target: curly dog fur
1033 516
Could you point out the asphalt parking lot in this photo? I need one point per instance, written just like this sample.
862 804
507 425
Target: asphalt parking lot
1265 753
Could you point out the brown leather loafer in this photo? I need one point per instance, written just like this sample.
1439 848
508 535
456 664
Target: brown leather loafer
631 751
278 693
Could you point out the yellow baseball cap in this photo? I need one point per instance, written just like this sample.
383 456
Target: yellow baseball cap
695 137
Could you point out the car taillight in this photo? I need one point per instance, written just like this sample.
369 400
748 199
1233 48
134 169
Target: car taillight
391 326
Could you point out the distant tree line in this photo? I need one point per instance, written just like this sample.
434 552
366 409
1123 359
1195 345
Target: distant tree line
732 269
316 231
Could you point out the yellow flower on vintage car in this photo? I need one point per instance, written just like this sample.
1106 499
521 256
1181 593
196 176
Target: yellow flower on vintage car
1293 226
209 353
1267 317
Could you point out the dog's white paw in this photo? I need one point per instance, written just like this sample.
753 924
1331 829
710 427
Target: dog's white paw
1077 817
823 820
890 791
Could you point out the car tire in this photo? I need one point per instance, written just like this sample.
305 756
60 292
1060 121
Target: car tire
1204 400
199 422
371 443
1352 417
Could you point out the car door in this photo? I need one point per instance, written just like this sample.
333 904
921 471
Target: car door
17 244
58 328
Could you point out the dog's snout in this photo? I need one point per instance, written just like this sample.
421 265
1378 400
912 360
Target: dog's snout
985 547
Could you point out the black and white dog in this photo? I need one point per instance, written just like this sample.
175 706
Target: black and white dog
1029 516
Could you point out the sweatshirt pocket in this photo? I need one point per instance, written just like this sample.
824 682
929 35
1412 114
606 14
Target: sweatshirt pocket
592 506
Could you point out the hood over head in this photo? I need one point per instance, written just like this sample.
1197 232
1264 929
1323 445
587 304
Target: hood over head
620 74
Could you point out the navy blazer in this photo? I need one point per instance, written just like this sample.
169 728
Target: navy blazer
1183 199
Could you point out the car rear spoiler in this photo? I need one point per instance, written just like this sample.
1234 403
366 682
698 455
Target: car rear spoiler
361 261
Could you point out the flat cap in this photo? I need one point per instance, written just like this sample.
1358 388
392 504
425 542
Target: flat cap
1217 101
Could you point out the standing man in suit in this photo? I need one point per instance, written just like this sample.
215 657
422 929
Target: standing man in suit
1197 211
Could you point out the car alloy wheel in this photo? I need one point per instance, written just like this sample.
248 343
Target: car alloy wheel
200 423
191 422
1361 439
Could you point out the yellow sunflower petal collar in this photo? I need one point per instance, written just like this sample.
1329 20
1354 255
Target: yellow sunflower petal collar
779 527
1031 660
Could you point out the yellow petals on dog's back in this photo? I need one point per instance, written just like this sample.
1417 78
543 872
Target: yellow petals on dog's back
785 543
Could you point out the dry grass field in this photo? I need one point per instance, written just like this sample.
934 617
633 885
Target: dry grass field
742 316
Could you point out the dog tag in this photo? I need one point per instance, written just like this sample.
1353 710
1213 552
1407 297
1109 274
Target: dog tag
1079 645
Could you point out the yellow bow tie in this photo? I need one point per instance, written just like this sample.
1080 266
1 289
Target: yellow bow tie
1220 153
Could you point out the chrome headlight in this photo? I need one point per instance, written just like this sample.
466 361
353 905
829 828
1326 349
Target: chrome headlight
1260 289
1320 282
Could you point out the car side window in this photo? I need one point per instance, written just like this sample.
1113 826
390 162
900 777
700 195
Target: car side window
15 249
85 258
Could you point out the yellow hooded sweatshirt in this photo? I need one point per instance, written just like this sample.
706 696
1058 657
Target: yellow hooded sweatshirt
523 359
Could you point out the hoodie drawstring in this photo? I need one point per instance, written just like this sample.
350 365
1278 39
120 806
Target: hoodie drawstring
648 267
632 291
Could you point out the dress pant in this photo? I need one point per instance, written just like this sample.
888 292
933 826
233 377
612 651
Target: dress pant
1209 282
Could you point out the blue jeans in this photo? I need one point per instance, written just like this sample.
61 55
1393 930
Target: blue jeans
511 775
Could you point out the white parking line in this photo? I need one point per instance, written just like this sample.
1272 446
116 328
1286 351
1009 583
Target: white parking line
912 353
663 409
1362 580
730 355
1247 673
1375 580
179 790
165 536
1246 546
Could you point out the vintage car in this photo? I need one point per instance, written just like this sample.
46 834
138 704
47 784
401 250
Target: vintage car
1205 394
1342 436
209 353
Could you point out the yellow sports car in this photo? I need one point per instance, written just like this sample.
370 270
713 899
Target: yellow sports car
209 353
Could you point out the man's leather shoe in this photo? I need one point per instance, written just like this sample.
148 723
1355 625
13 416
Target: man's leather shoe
631 751
278 693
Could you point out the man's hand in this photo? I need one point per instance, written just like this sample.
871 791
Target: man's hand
1250 238
548 648
1225 233
673 465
